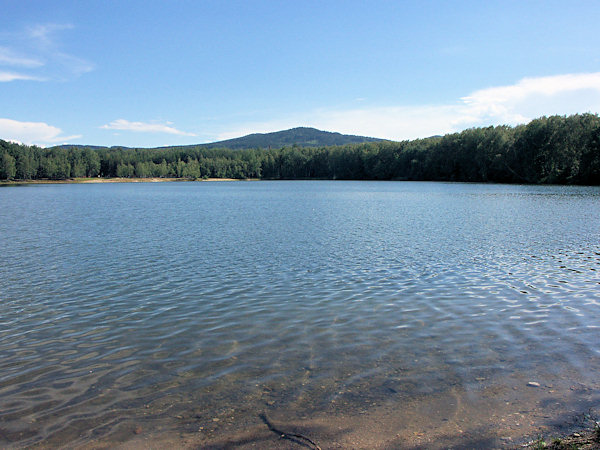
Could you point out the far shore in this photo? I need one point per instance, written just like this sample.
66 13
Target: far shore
115 180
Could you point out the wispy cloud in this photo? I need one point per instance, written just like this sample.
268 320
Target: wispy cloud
511 104
144 127
36 53
38 133
11 58
43 33
12 76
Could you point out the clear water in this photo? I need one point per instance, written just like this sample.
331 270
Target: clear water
187 309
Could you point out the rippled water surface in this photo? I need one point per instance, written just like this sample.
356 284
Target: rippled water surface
141 311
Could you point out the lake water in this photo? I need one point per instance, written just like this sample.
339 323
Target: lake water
359 314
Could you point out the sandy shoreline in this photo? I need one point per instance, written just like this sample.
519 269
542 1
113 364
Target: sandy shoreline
112 180
496 417
353 431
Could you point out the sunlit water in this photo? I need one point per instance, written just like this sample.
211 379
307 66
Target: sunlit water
191 308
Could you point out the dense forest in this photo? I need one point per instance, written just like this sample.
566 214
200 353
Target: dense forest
556 149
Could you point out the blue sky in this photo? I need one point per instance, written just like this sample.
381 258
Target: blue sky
154 73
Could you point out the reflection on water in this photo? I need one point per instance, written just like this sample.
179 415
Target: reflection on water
187 309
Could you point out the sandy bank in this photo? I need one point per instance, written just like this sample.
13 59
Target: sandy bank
112 180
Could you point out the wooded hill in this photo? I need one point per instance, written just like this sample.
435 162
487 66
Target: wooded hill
556 149
300 137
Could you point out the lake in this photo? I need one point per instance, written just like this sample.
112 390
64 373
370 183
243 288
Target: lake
358 314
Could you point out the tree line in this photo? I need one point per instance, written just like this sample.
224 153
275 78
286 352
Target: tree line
555 149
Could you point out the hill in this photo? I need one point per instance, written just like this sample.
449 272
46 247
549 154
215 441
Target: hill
301 137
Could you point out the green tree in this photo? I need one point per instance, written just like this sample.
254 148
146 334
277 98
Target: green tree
8 168
92 163
125 171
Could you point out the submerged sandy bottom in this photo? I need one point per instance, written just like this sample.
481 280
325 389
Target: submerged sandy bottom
486 415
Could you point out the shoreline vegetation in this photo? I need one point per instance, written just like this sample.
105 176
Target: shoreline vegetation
548 150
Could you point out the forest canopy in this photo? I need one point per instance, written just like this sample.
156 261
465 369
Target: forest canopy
548 150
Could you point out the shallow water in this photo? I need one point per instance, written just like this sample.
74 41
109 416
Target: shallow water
135 311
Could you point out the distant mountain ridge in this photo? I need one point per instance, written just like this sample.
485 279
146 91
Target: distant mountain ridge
300 136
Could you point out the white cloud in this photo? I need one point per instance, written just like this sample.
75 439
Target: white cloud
11 58
39 133
143 127
39 55
512 104
13 76
43 32
533 97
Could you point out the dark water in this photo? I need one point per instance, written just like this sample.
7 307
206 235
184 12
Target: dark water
179 307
